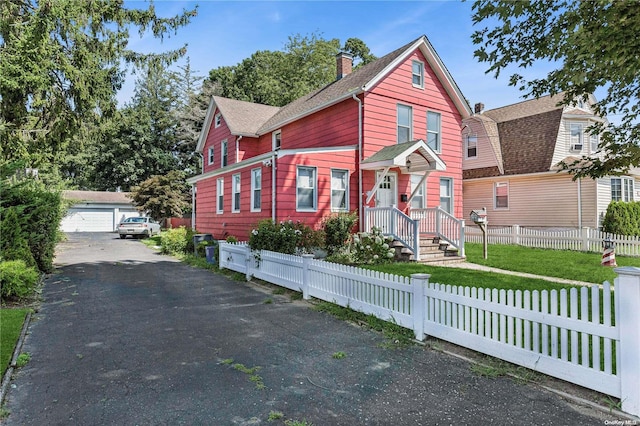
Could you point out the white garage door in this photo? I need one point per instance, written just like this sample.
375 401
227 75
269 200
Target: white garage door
88 220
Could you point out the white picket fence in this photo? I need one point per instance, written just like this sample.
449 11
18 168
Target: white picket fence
589 336
584 239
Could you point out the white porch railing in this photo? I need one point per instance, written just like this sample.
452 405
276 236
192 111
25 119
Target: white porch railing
408 229
588 335
442 224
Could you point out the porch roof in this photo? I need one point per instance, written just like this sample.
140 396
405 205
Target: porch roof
412 156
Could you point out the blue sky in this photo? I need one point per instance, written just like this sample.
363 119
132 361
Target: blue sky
226 32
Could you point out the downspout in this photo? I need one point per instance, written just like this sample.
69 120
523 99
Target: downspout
273 186
360 207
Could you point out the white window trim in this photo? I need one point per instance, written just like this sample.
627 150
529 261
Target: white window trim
438 133
421 85
274 135
577 145
398 121
451 189
594 141
235 190
422 191
211 156
220 195
217 120
254 189
224 153
315 190
627 188
466 146
346 192
495 187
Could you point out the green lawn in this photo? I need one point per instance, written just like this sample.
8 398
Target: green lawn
572 265
11 321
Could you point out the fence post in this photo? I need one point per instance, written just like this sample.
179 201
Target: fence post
516 234
585 239
461 239
416 239
306 260
627 305
419 284
249 260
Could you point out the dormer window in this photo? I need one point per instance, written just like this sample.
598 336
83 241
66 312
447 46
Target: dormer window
471 145
417 74
218 120
576 137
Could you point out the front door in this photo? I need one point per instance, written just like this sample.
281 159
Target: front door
386 196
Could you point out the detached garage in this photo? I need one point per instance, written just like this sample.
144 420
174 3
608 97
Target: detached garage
96 211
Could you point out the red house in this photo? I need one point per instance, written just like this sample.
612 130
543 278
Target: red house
384 140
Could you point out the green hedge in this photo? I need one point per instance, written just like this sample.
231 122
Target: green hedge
622 218
17 280
30 217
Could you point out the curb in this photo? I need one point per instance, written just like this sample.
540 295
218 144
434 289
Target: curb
16 353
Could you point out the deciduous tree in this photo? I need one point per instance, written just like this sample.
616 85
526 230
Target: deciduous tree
162 196
591 45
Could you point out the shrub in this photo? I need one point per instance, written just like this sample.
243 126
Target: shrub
177 241
337 230
17 279
372 247
285 237
622 218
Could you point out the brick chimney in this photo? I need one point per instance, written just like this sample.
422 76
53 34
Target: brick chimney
344 64
479 107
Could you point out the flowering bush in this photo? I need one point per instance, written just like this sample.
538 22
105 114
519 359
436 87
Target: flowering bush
372 247
287 237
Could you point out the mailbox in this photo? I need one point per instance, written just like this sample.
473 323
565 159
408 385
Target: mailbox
479 216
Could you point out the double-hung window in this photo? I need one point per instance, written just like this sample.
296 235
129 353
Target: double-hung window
433 130
594 142
576 136
339 190
256 190
622 189
471 145
417 74
306 195
220 195
276 139
218 120
446 195
405 119
417 202
235 192
223 153
210 157
501 195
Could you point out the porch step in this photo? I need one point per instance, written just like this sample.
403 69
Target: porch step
432 252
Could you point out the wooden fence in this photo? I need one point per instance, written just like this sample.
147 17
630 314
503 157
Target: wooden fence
588 336
584 239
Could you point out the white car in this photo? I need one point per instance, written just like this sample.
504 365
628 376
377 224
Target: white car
138 227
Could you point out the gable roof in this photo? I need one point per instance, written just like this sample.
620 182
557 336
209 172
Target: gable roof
97 197
411 156
243 119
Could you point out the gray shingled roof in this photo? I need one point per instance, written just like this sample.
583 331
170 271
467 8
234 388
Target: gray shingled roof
244 118
98 197
525 108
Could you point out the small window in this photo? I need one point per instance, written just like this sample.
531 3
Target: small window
417 202
405 118
339 190
306 196
223 157
501 199
276 139
417 74
446 195
235 193
220 195
594 141
210 157
433 130
576 137
622 189
218 120
471 142
256 190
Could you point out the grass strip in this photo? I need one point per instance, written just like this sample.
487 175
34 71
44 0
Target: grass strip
12 321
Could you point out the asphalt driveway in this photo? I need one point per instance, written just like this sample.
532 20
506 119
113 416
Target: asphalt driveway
127 336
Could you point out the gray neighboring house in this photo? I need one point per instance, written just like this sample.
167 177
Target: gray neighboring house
96 211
